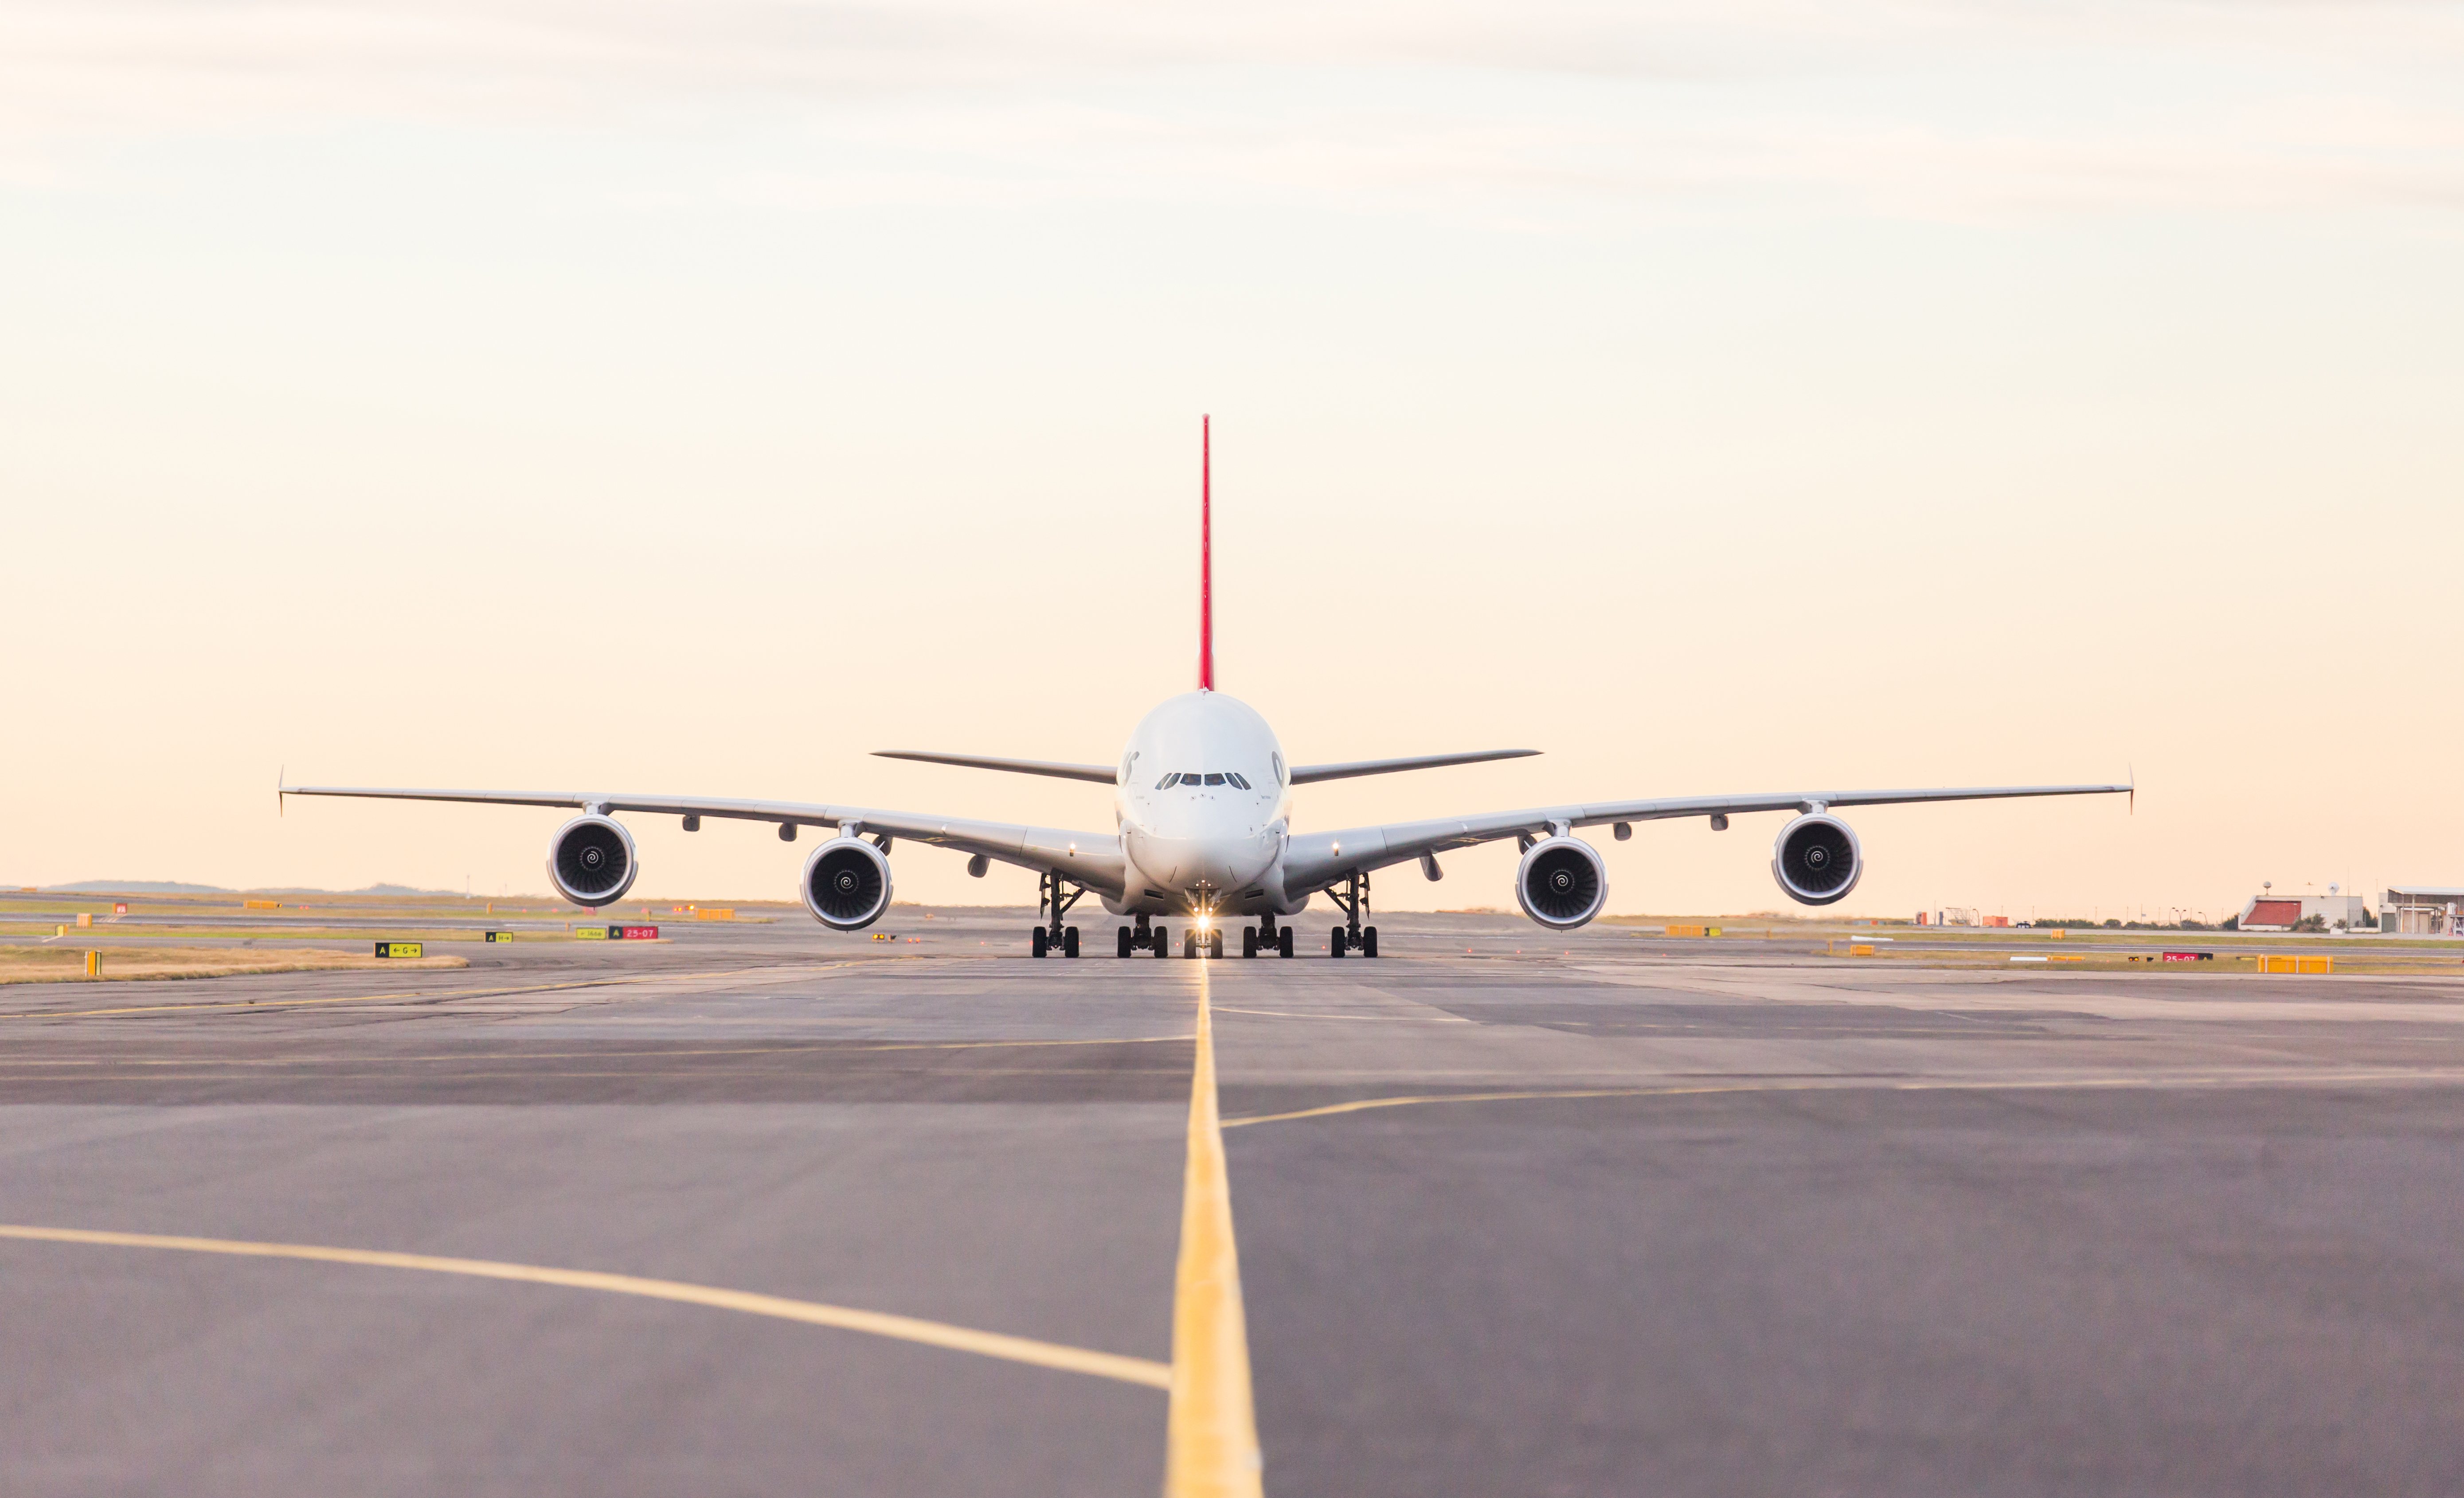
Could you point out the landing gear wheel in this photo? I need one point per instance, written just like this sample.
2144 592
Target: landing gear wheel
1368 942
1335 944
1070 942
1124 942
1283 940
1041 940
1162 942
1215 945
1249 941
1189 945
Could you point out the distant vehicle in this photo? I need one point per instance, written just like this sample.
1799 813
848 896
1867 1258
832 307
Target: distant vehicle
1203 808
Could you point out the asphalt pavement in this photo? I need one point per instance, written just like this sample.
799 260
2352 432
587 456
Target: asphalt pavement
1601 1214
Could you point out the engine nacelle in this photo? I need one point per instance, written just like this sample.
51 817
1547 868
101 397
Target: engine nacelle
591 861
1561 883
847 883
1817 860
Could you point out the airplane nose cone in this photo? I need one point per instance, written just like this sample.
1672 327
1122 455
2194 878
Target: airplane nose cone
1181 864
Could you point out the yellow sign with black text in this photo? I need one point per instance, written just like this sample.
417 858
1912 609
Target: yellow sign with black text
398 949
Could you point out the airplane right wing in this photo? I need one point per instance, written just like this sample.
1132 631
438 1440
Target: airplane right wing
1093 860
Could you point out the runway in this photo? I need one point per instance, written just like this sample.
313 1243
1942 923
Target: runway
1603 1215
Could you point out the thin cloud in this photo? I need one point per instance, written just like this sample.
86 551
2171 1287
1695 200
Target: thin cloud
1981 106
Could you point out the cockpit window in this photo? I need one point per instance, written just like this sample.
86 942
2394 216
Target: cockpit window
1168 781
1236 780
1192 777
1215 780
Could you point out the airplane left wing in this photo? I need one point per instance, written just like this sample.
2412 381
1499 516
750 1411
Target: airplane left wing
1316 861
1093 860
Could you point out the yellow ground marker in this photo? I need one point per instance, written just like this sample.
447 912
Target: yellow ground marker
204 1006
1211 1436
1366 1104
2382 1079
904 1329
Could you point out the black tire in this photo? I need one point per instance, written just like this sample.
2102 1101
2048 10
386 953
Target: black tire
1215 945
1041 940
1335 944
1162 942
1368 942
1283 940
1248 940
1189 945
1124 942
1069 941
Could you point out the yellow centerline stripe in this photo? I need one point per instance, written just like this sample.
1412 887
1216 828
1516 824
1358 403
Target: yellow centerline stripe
1851 1084
904 1329
1211 1434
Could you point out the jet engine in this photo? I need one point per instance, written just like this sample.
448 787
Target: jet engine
1817 860
590 860
847 883
1561 883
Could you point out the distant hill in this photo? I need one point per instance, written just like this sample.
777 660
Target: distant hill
173 887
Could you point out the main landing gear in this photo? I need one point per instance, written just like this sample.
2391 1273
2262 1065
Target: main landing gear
1144 939
1267 938
1049 897
1353 902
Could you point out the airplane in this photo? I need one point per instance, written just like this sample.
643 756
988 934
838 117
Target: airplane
1203 830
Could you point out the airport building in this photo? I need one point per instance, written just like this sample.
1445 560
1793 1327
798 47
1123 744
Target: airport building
2334 908
2421 910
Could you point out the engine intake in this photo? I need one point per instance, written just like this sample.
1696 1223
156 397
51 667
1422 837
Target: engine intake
591 861
847 883
1817 860
1561 883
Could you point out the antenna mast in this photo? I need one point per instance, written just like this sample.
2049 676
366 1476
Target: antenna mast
1206 553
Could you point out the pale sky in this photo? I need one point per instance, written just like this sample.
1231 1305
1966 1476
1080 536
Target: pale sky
1743 397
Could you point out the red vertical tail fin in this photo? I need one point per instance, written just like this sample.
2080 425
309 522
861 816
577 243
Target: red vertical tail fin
1206 553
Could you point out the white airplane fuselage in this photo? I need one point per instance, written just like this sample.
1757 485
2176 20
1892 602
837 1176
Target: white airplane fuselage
1203 802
